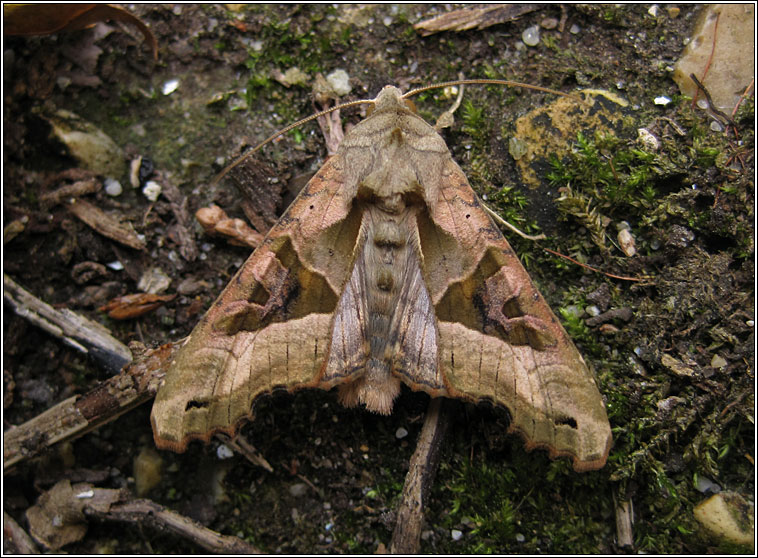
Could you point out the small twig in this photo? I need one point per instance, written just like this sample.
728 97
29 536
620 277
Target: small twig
418 482
569 258
15 539
241 446
78 415
711 106
75 330
743 97
147 512
710 59
506 224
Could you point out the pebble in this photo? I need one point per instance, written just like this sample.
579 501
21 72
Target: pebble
298 490
152 190
520 538
705 485
549 23
575 29
115 266
401 433
224 452
340 82
531 36
718 361
662 100
456 534
113 187
170 86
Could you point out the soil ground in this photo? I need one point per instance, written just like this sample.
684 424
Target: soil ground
690 211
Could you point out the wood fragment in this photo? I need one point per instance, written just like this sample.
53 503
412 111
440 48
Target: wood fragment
241 446
80 414
62 513
106 225
216 222
182 229
147 512
474 17
418 482
624 521
15 539
75 330
75 190
261 193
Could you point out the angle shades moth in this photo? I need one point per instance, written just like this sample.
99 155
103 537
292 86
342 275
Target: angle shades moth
386 270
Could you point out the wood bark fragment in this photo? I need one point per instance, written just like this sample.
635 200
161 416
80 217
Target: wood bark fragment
82 413
479 17
183 228
15 539
106 225
78 188
147 512
624 521
75 330
418 482
261 193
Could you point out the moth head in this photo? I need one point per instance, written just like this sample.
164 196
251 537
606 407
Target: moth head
390 97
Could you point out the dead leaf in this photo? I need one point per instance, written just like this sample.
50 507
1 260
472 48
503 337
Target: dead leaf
45 19
134 305
105 224
479 17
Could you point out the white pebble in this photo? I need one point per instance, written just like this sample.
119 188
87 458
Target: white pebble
575 29
152 190
662 100
520 538
170 86
531 35
340 82
224 452
704 484
401 433
653 10
456 534
716 127
115 266
113 187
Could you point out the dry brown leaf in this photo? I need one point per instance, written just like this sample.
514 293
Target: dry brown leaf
45 19
479 17
134 305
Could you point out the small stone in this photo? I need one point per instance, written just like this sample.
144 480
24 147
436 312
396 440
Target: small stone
716 126
673 11
662 100
147 470
517 148
520 538
224 452
113 187
115 266
401 433
293 76
626 243
152 190
456 534
648 140
170 86
718 361
340 82
706 485
592 310
653 10
154 281
727 516
531 36
575 29
298 490
549 23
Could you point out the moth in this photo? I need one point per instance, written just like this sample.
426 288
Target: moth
386 270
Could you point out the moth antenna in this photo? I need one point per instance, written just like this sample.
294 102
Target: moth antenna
239 160
487 82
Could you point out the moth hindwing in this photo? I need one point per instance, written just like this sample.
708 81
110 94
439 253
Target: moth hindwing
386 270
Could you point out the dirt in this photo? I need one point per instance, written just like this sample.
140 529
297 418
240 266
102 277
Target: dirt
338 473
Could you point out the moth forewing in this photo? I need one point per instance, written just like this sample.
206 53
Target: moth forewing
385 269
